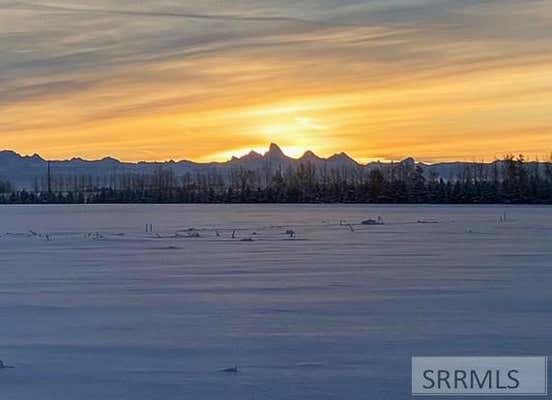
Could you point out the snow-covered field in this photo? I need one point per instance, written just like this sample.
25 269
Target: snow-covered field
93 307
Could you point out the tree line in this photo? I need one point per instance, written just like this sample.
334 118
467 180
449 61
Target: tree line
511 181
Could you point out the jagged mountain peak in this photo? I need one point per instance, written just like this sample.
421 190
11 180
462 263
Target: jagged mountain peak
311 158
342 157
309 155
25 171
9 154
110 160
36 157
409 161
275 151
251 156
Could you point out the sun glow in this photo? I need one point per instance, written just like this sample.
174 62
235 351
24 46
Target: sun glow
375 92
290 151
295 134
294 151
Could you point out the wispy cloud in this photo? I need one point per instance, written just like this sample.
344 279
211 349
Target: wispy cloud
57 9
391 77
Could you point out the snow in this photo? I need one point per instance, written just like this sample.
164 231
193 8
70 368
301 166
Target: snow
94 307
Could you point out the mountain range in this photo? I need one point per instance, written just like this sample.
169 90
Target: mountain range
30 172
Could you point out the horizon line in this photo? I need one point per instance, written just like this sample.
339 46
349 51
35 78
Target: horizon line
276 148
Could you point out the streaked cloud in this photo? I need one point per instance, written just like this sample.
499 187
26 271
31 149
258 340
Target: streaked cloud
437 79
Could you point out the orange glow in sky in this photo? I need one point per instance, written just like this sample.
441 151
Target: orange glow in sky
205 82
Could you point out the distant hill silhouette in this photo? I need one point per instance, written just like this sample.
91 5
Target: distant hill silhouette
30 172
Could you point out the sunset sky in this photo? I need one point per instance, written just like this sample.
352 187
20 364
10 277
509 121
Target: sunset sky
203 80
